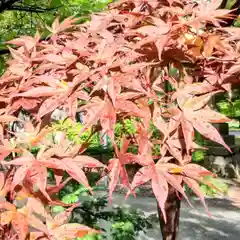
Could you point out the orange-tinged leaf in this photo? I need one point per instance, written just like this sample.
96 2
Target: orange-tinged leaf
124 177
55 58
115 169
95 111
35 205
153 30
40 92
172 180
49 105
19 161
108 120
7 118
175 152
209 115
7 206
142 176
210 132
188 133
76 172
129 107
6 182
191 39
36 223
65 24
20 175
38 177
20 225
26 41
16 54
23 194
87 161
175 170
210 44
195 103
63 217
2 180
136 66
211 185
37 235
193 184
58 175
55 189
160 189
55 26
6 149
6 217
71 231
40 136
82 233
195 52
52 163
195 171
158 120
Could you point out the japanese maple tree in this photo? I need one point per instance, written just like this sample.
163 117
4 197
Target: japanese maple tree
157 63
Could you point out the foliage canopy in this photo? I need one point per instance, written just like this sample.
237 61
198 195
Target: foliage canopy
157 63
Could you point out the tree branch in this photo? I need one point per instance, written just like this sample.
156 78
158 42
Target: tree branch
30 9
5 4
4 51
8 5
223 4
235 13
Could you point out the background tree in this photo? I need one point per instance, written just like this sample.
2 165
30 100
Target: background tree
20 18
23 17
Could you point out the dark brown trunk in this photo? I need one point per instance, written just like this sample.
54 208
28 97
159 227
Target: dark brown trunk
170 228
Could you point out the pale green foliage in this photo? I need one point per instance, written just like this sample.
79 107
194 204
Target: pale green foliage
2 64
198 156
219 186
72 132
231 109
124 223
127 127
218 183
16 23
234 124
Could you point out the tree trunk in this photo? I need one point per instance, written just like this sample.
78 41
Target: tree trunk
172 206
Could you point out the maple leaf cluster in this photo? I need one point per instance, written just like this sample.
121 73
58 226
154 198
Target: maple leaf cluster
154 62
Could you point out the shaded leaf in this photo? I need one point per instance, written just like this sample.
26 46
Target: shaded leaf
115 168
208 131
194 185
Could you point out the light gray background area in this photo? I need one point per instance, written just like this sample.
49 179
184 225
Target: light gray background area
195 223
